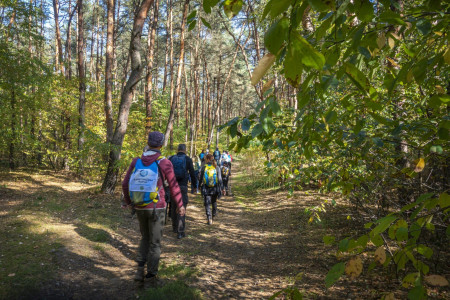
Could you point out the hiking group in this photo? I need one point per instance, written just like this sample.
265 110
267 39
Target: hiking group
153 183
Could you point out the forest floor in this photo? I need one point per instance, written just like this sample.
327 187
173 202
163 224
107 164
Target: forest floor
61 239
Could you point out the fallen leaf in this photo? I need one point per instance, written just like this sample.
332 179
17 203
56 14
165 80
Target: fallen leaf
389 296
436 280
380 255
12 275
354 267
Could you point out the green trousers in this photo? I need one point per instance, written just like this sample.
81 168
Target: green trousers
151 227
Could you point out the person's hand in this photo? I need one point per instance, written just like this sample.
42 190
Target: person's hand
181 211
223 192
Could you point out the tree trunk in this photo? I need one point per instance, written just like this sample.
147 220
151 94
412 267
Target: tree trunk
59 60
173 109
82 84
108 70
12 143
148 78
168 38
110 180
220 96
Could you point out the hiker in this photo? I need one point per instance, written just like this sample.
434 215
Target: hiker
223 157
183 169
217 155
211 186
143 187
229 159
226 173
202 155
197 167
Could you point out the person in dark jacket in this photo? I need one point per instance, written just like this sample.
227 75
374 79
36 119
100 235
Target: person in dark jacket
210 192
217 156
151 214
183 169
226 174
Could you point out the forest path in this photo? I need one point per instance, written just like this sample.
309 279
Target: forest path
258 244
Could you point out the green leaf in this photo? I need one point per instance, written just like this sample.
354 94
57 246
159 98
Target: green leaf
425 251
437 100
245 125
444 200
401 234
276 35
377 240
276 109
424 26
328 239
322 5
257 130
343 245
357 77
417 293
334 274
208 4
232 7
391 17
191 16
299 49
364 52
383 224
192 25
268 125
331 117
364 10
278 7
233 130
205 22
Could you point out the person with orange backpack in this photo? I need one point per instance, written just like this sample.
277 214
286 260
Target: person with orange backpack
211 186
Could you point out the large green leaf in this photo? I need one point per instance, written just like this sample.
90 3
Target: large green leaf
309 56
357 77
334 274
383 224
279 6
245 124
364 10
276 35
257 130
322 5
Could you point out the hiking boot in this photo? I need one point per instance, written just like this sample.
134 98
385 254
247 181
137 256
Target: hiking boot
180 235
149 275
139 276
210 221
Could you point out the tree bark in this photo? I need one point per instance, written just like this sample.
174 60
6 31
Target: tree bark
168 38
82 84
108 70
58 56
173 109
110 180
150 62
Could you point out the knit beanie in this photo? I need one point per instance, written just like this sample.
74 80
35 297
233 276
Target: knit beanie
155 139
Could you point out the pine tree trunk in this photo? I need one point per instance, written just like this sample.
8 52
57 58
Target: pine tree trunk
82 84
150 63
108 70
59 60
110 180
169 129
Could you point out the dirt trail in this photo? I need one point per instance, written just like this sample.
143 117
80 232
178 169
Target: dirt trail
255 247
